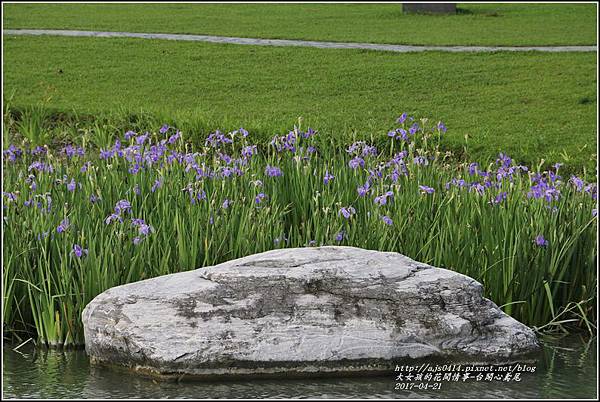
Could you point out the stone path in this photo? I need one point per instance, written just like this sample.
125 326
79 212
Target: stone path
302 43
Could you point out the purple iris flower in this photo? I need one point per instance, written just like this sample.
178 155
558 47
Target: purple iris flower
140 139
172 139
144 229
504 160
216 138
248 151
413 129
364 189
340 236
309 133
259 198
106 154
225 158
592 190
10 196
64 226
200 195
157 184
225 204
577 182
122 206
499 198
328 177
382 199
164 129
137 221
426 190
113 217
401 119
402 134
71 151
12 153
226 172
395 175
85 167
477 187
48 203
540 241
79 251
375 174
542 189
352 148
553 177
369 150
455 182
387 220
273 171
39 150
420 160
71 185
133 169
347 212
356 162
40 167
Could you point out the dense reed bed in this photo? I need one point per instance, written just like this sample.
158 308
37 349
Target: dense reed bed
79 219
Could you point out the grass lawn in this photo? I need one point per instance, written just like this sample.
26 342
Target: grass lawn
475 24
532 105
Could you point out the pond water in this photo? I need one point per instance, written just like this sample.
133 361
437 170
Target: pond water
565 368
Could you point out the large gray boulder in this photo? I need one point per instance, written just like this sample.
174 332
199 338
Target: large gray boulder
299 311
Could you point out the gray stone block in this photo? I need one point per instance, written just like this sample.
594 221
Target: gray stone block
433 8
299 312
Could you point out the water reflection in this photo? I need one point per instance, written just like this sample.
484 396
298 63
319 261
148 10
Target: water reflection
566 368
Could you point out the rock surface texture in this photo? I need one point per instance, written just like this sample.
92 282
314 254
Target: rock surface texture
303 311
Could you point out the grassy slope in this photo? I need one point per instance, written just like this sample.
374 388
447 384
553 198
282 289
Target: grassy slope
481 24
529 105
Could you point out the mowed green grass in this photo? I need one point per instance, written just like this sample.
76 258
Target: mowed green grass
530 105
475 24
